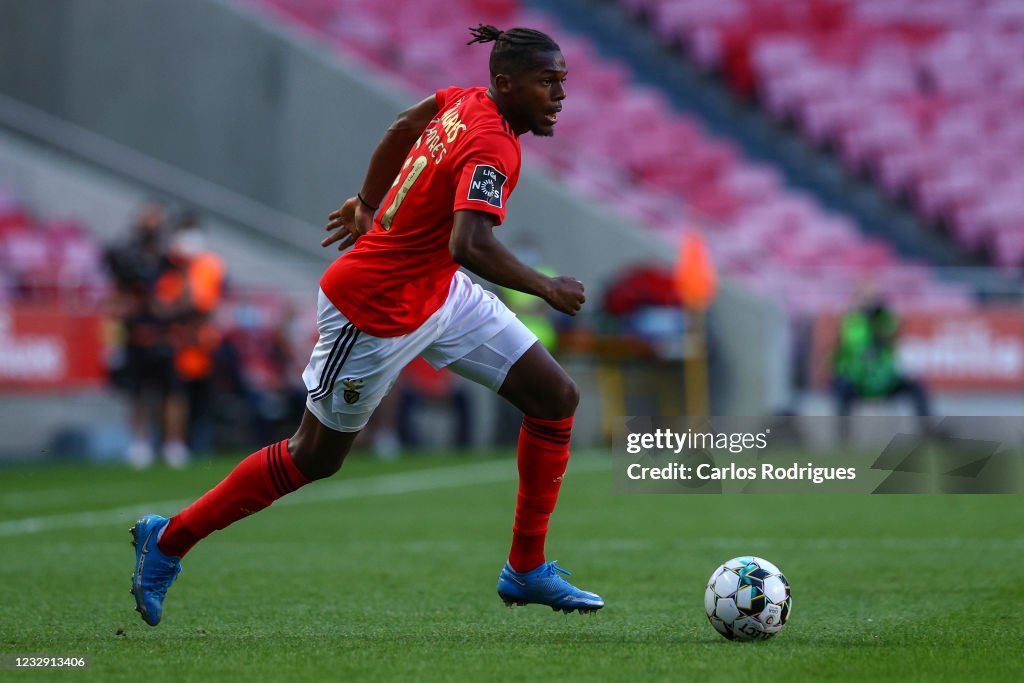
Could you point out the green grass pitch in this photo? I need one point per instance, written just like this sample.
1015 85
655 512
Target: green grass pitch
387 572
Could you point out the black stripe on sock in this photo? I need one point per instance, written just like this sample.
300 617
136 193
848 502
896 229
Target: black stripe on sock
282 468
286 481
544 437
274 476
281 474
549 432
539 423
555 432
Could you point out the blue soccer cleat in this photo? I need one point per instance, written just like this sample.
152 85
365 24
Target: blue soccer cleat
154 572
545 586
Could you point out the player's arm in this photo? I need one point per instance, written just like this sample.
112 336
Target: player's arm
355 217
474 246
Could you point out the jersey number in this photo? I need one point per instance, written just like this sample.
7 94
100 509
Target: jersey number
415 169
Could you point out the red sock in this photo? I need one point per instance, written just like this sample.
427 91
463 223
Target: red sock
543 455
255 483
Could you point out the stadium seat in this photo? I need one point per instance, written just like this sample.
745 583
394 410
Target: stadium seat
1008 247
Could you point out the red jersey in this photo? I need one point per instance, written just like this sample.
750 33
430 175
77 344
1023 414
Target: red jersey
398 274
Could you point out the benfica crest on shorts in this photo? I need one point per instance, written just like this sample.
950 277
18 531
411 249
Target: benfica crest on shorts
352 389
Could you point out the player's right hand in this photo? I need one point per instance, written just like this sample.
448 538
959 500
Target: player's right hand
566 295
349 222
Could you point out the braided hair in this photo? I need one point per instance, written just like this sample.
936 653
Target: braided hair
514 49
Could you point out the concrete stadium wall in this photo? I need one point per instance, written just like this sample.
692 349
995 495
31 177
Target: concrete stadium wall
208 88
195 84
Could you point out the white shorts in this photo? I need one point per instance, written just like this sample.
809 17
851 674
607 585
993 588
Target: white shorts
473 334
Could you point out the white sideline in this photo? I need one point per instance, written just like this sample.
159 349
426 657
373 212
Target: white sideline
492 471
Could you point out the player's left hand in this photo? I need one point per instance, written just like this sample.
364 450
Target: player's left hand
349 222
566 295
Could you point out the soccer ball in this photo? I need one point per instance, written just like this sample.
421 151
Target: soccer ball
748 598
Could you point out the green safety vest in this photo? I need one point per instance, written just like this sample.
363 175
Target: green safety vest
865 357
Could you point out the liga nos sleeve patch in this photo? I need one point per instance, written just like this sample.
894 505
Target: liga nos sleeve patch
486 185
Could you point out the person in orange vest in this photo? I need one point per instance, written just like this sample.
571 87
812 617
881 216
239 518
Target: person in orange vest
189 293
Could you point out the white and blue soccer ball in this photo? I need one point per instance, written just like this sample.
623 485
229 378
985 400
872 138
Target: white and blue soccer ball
748 598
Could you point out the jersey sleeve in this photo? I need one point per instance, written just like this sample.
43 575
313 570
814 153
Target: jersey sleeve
489 172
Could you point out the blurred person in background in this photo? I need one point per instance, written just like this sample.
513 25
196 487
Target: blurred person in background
865 366
144 366
276 359
422 385
381 432
188 293
290 344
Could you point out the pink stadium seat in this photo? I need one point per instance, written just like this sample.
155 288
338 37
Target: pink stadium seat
7 288
785 94
952 186
25 252
366 35
880 129
886 78
752 183
827 116
1007 246
1005 13
28 259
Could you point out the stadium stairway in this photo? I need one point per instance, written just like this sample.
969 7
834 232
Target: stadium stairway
622 37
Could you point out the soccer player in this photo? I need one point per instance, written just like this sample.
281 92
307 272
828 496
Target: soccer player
451 163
